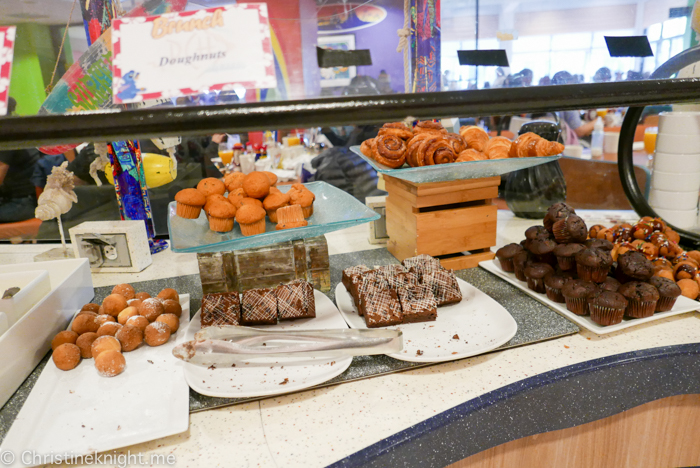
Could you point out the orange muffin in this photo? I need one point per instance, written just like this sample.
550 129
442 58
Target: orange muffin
251 201
271 176
236 196
304 198
274 190
256 185
234 181
221 215
189 203
252 220
211 186
273 202
212 199
289 217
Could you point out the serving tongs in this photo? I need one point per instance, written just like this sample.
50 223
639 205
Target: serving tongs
231 344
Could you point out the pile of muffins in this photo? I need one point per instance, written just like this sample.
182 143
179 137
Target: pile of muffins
250 199
591 275
125 320
407 293
429 143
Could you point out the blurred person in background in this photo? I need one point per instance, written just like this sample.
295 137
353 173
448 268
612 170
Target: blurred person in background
602 75
573 127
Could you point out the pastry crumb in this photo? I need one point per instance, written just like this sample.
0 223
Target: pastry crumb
419 353
285 381
455 337
212 367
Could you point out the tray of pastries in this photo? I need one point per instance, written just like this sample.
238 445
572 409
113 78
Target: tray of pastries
429 153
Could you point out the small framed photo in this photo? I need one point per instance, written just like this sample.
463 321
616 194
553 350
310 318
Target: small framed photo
337 76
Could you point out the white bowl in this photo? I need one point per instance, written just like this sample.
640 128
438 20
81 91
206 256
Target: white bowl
679 123
678 144
684 219
676 163
673 200
682 182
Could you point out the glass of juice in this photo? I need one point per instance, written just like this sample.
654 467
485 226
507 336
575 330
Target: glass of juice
650 139
225 153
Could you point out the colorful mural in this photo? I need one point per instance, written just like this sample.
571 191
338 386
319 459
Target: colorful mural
425 45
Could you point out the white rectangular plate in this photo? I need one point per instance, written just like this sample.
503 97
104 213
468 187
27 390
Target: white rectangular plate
79 412
271 376
682 306
480 323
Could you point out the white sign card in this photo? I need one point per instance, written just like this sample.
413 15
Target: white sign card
7 45
192 52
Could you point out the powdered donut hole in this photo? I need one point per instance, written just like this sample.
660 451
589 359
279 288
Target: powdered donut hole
105 343
109 329
92 307
66 356
170 320
84 342
113 304
84 323
151 309
101 311
125 290
130 337
172 307
125 314
110 363
138 321
87 312
104 318
65 336
169 293
156 334
142 295
134 302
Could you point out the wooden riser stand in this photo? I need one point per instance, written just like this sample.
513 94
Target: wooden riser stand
455 221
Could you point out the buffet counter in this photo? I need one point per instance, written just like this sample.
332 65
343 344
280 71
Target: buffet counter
435 415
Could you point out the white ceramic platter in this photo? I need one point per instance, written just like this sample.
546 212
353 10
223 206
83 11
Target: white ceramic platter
271 376
474 326
79 412
682 305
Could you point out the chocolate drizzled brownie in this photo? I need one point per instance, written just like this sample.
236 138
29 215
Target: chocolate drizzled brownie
350 273
444 285
418 303
220 309
401 279
259 307
420 260
380 306
390 270
295 300
362 283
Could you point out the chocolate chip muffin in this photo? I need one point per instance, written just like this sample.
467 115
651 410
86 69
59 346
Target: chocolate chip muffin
506 254
553 284
570 229
576 294
668 293
599 244
535 273
556 212
633 266
608 308
566 254
521 260
641 298
543 251
593 264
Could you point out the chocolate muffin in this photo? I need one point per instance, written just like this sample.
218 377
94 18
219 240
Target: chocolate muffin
570 229
553 284
543 251
641 298
607 308
633 266
565 254
537 232
555 213
599 244
576 294
521 260
535 273
505 256
668 293
610 284
593 264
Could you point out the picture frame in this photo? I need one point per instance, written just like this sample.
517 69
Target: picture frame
337 76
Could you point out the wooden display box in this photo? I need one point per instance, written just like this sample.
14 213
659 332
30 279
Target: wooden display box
455 221
266 267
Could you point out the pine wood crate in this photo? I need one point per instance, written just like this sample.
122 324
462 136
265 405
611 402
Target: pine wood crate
455 221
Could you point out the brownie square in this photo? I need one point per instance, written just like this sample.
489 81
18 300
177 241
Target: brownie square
398 280
386 270
421 259
444 285
295 300
360 283
220 309
380 306
351 272
418 303
259 307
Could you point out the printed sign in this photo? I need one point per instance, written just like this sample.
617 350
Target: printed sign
7 45
192 52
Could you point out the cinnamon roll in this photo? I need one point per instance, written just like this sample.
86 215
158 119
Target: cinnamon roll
412 148
497 148
475 137
428 126
434 151
389 150
366 147
398 129
457 142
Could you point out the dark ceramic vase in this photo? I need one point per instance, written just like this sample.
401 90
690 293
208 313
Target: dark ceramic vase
530 192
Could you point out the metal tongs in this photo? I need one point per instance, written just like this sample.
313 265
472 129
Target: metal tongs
230 344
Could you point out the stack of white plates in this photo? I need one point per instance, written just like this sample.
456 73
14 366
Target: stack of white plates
675 180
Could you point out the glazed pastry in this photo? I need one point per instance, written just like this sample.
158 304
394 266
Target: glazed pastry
497 148
428 126
366 147
397 129
689 288
389 150
475 137
457 142
412 147
470 154
435 150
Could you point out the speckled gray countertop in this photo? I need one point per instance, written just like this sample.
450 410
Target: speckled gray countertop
536 323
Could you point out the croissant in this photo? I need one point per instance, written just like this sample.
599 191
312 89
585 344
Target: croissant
475 137
398 129
531 144
471 154
457 142
389 150
428 126
497 148
366 147
519 147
